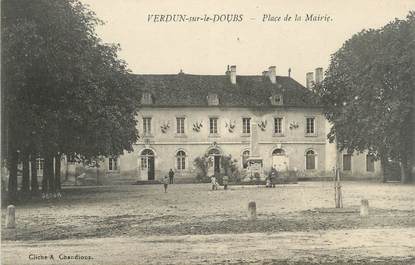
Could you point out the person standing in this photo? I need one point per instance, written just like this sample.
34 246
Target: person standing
273 177
171 176
225 181
165 182
214 183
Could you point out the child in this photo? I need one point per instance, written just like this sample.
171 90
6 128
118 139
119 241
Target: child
268 182
165 182
214 183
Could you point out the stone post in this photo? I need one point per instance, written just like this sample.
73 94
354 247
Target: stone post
10 217
252 210
364 208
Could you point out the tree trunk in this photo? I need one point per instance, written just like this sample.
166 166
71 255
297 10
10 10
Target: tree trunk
12 164
67 169
33 181
49 174
383 165
26 172
405 170
58 173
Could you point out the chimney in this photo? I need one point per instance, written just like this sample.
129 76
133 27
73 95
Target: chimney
319 75
289 72
233 74
309 80
271 74
228 72
264 73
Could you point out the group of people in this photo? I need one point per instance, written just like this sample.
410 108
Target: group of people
215 184
270 180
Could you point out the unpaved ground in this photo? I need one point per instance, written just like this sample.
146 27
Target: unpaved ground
189 215
357 246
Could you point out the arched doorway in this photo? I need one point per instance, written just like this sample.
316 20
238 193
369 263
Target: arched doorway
147 164
215 156
244 159
310 160
280 160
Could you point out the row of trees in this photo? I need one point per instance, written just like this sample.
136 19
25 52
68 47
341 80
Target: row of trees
369 94
64 91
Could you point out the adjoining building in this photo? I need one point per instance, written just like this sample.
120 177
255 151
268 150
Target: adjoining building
269 119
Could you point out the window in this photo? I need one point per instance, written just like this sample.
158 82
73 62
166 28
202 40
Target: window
146 155
146 98
370 163
147 126
276 100
278 125
144 163
246 125
180 125
213 99
245 156
39 164
310 160
278 152
347 162
113 163
310 124
181 160
213 125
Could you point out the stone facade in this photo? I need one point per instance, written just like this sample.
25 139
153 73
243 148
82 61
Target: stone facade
183 117
165 144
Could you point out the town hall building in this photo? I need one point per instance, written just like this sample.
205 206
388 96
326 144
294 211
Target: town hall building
262 121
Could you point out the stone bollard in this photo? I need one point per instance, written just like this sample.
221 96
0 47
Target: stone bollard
252 210
10 217
364 208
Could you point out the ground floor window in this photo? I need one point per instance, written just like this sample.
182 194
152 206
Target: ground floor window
113 163
310 160
39 166
370 163
347 162
181 160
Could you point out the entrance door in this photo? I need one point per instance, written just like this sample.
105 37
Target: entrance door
279 160
216 164
150 168
147 165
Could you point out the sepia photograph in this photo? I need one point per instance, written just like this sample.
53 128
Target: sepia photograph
207 132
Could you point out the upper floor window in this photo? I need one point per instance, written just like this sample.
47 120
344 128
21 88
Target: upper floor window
113 163
180 125
146 98
213 99
181 160
147 126
246 125
213 125
278 125
276 99
310 126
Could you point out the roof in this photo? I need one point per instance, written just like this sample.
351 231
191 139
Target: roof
249 91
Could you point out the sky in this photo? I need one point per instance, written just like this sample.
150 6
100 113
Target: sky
252 44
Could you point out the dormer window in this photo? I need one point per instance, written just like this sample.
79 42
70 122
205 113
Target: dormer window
146 98
276 100
213 99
